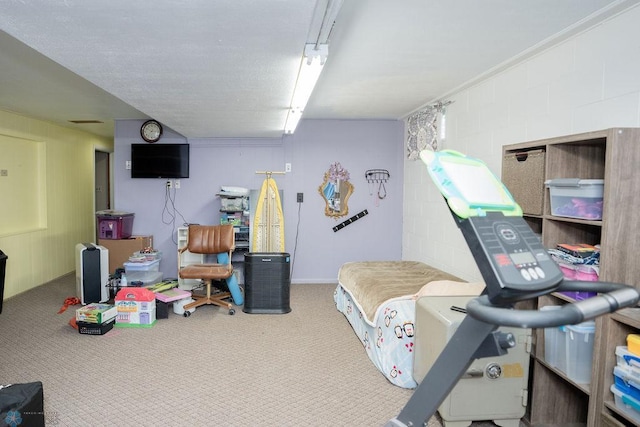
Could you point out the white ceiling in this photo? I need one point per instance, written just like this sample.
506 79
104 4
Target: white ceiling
227 68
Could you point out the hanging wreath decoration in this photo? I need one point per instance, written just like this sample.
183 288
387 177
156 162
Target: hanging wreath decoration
422 132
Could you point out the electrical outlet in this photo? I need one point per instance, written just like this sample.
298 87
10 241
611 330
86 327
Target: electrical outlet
177 183
300 197
127 164
169 184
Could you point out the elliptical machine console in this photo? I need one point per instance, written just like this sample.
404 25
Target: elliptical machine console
515 267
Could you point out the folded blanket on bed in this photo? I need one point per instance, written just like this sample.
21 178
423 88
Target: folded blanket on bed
373 282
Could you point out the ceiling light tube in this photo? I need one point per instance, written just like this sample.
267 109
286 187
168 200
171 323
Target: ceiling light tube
293 117
308 75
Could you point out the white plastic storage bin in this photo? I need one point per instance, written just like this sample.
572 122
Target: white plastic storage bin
626 403
130 267
146 277
626 380
576 198
555 343
147 272
580 351
625 358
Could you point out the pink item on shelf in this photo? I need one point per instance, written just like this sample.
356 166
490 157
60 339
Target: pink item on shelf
586 273
568 271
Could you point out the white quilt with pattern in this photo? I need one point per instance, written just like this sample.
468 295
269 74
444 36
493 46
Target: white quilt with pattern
378 299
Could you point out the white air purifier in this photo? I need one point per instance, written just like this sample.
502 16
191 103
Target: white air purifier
92 273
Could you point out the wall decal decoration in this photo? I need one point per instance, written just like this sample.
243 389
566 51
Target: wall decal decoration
354 218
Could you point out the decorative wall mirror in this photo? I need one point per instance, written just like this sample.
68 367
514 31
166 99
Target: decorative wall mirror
335 190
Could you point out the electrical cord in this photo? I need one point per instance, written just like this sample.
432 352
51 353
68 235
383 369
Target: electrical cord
295 245
169 210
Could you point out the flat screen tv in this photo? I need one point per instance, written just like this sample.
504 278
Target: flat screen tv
159 160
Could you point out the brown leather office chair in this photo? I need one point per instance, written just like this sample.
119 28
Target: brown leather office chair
209 240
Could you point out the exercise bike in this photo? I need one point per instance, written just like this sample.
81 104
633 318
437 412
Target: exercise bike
515 267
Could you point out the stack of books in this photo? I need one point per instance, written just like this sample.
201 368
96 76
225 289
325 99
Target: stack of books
96 319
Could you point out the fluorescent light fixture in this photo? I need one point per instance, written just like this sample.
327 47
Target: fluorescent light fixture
293 117
310 69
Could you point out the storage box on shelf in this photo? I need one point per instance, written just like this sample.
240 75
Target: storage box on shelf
625 358
114 224
580 351
555 344
576 198
633 344
569 349
523 172
626 386
626 403
621 324
610 155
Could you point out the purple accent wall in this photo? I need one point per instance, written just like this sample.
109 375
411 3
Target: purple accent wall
317 251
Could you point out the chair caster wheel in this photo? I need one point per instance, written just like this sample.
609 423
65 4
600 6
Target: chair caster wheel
231 312
187 314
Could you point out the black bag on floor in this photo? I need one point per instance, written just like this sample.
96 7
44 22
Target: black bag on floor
22 405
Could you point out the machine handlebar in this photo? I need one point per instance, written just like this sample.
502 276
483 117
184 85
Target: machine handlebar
615 297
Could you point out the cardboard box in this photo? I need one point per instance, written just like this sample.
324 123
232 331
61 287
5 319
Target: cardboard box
135 307
121 249
96 313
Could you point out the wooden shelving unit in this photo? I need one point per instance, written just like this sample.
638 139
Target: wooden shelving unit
238 207
612 155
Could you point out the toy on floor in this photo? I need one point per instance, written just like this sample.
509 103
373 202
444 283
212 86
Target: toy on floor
67 303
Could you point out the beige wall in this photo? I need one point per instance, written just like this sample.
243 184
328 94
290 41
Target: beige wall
39 255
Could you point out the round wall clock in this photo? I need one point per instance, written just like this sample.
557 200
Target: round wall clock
151 131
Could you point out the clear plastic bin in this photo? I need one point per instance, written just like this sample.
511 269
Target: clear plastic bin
555 343
576 198
146 277
580 351
625 357
130 267
626 403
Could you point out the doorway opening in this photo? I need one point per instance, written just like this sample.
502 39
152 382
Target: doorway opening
102 198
